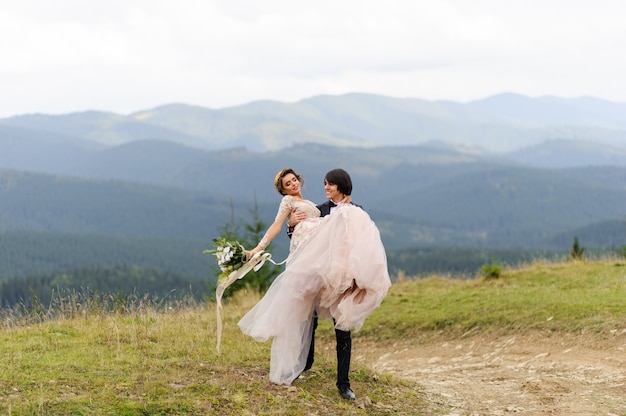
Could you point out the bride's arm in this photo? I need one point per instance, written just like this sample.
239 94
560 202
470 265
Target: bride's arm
272 231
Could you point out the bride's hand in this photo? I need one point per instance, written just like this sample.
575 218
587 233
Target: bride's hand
346 200
248 254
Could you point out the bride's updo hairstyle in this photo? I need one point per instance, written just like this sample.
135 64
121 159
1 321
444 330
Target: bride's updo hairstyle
342 179
278 179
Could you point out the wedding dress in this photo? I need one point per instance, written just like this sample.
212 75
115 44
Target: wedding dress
337 267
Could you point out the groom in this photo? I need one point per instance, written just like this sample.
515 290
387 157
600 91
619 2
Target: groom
337 185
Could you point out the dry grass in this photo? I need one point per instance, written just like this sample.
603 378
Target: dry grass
148 359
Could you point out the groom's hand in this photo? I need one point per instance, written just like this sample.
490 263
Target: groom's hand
295 218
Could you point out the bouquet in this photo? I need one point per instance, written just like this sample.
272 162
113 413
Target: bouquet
230 255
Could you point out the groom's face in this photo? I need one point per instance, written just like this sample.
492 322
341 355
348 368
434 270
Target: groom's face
332 192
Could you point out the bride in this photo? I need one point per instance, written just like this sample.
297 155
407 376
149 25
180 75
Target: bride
337 267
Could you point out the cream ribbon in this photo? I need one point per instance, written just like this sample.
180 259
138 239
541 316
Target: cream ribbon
255 263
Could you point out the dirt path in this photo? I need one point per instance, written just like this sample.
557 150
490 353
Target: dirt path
532 374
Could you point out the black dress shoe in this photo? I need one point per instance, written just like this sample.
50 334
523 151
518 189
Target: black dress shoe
346 392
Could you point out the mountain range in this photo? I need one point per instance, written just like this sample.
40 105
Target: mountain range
501 123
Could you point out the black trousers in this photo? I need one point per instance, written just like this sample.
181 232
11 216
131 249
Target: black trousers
344 352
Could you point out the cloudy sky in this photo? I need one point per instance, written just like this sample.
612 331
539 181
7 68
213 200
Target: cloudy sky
126 55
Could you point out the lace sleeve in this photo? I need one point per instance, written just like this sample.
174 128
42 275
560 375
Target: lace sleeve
284 209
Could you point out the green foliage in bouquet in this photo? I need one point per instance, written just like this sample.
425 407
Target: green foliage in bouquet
229 255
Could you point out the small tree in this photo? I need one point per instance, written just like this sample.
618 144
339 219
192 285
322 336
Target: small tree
577 252
260 280
255 230
229 230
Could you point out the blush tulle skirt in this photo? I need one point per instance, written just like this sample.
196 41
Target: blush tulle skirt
337 267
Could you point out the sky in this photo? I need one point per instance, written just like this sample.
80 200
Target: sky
64 56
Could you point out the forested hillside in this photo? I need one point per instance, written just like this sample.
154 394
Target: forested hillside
472 202
112 286
446 211
70 205
37 252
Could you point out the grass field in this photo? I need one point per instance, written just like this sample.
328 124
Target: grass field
144 359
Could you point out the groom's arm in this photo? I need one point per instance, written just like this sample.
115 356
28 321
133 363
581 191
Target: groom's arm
294 219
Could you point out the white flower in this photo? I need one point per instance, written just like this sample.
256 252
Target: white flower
229 255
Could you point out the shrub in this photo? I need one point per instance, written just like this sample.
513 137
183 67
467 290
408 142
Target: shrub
491 270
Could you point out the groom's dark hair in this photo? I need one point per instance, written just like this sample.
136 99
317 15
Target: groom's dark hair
340 178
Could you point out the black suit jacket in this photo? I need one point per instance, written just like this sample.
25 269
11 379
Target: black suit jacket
325 208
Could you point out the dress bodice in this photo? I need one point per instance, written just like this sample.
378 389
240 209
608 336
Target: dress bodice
304 228
288 203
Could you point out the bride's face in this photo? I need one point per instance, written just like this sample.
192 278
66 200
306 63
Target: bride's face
291 184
